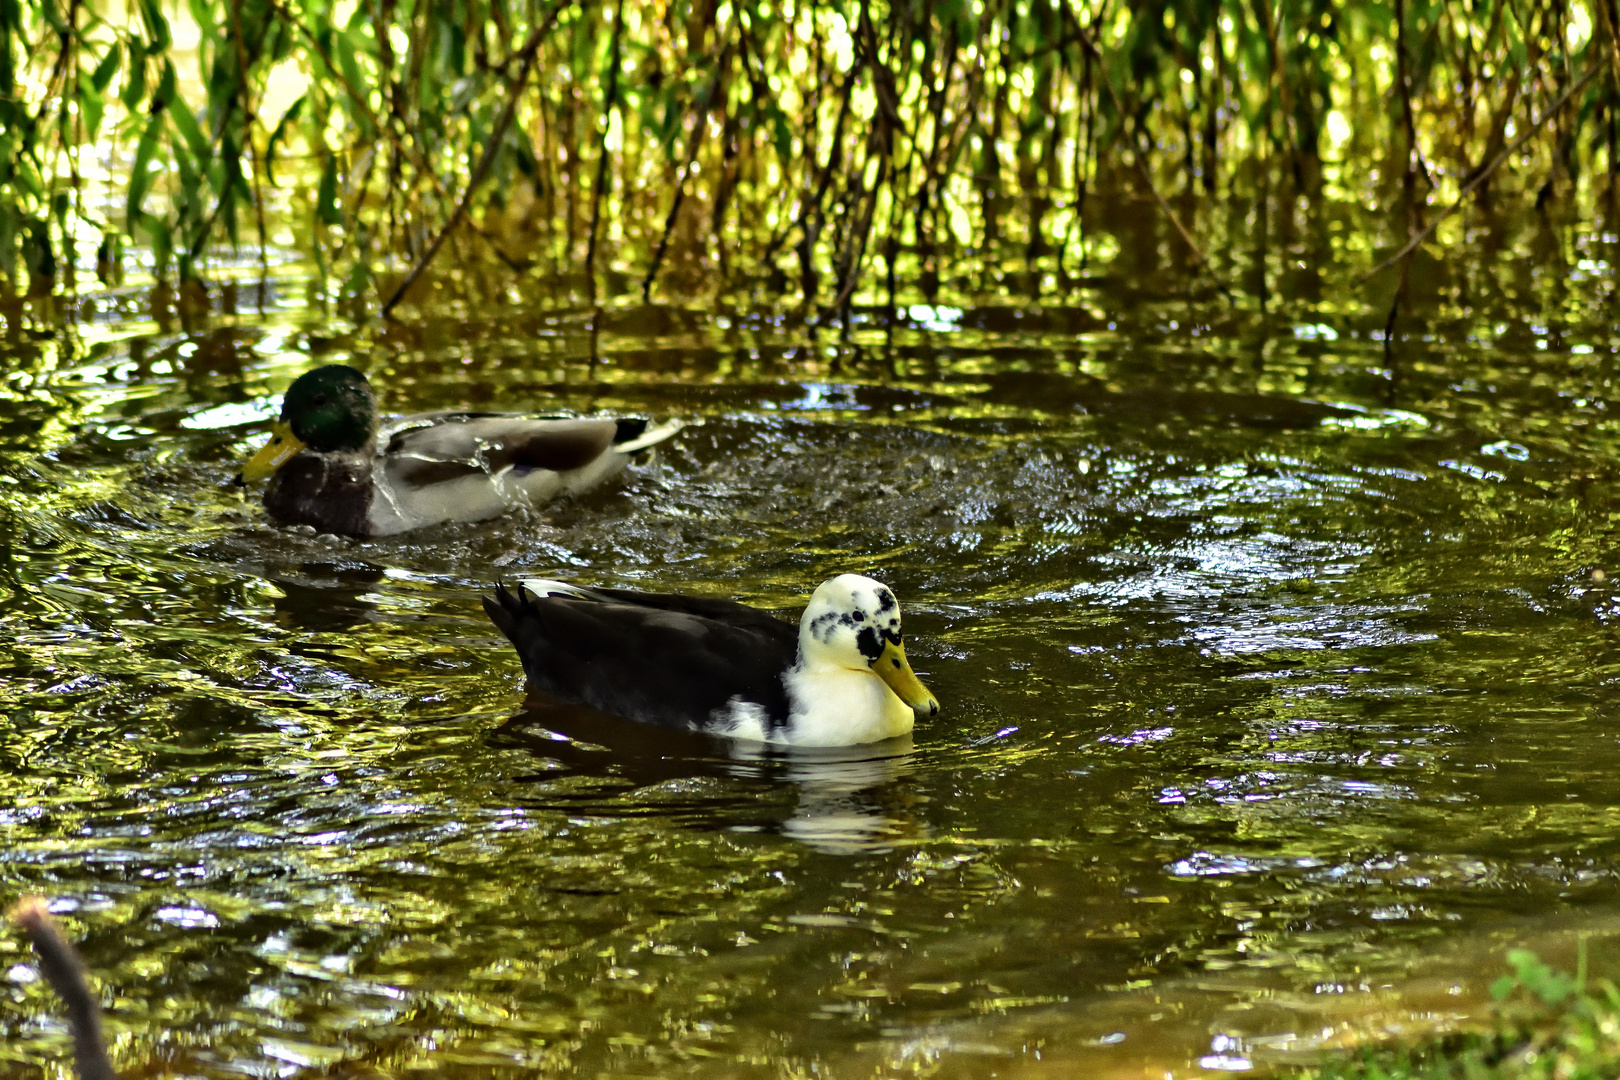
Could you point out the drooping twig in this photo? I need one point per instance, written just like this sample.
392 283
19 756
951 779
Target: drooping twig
1414 156
1137 155
1394 313
609 99
1414 165
879 146
808 220
923 206
1271 24
403 148
65 972
853 253
250 115
531 49
709 98
1485 173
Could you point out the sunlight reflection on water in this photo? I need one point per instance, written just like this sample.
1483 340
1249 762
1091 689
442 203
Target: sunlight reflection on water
1277 683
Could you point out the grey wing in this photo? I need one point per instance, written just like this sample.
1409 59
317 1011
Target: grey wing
488 445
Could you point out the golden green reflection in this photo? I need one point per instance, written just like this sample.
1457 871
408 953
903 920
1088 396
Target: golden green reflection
1280 676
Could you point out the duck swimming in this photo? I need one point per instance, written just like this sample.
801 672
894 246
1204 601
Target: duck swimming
326 470
838 679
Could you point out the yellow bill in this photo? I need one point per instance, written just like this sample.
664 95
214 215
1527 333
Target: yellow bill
892 668
281 448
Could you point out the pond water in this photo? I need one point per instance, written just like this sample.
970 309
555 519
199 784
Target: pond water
1279 677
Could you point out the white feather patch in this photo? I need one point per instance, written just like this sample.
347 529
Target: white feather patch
548 587
651 437
739 719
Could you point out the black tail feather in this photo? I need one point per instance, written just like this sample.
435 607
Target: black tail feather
629 427
514 615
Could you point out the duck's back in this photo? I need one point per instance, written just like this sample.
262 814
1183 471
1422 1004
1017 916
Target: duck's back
468 468
677 661
430 448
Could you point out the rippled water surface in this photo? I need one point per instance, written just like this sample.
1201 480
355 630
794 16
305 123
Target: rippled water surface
1279 683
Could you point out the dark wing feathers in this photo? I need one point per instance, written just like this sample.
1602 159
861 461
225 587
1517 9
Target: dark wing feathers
647 657
629 427
726 611
462 447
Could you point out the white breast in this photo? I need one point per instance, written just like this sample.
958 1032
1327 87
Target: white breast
839 706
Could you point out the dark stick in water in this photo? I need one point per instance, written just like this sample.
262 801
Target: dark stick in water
65 972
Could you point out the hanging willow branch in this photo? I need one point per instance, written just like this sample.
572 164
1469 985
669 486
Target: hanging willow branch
699 127
1139 156
1473 185
609 100
417 83
531 49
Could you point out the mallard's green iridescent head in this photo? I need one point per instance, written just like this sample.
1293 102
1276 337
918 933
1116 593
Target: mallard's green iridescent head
327 409
330 408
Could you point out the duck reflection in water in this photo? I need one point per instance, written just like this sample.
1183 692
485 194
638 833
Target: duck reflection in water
326 597
850 799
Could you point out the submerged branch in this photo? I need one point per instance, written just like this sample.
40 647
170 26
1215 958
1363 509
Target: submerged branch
64 970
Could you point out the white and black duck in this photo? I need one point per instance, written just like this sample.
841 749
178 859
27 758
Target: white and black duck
837 679
327 469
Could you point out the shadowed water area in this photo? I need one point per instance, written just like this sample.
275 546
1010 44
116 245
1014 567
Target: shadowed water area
1278 677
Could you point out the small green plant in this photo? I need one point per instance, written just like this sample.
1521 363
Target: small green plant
1551 988
1549 1025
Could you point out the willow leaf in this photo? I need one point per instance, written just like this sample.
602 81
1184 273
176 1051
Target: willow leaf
287 119
158 37
186 124
326 204
134 90
140 173
108 67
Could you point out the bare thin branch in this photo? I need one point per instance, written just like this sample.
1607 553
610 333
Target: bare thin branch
531 49
1469 188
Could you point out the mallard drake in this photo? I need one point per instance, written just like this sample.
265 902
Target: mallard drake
721 667
326 470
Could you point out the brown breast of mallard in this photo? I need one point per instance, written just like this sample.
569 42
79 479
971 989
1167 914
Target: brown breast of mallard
331 493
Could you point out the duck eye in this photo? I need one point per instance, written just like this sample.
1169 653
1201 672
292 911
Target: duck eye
860 616
318 400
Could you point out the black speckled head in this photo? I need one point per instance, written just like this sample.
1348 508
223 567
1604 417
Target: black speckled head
854 622
852 613
331 408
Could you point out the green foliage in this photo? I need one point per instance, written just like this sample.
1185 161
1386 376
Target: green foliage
1550 1024
1549 987
800 139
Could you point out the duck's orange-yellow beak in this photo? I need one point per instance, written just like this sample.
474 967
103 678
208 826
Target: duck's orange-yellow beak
281 448
891 666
